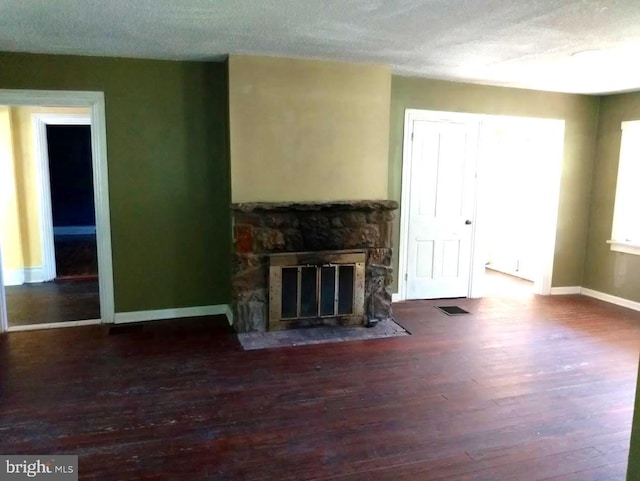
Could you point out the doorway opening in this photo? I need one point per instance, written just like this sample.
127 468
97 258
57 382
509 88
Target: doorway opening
481 201
72 204
55 247
499 284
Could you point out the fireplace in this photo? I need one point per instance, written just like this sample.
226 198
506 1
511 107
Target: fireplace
305 264
311 288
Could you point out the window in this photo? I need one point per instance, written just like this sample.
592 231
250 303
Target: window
625 233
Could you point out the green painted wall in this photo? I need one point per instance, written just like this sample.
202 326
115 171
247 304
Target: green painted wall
169 181
633 468
607 271
580 113
167 143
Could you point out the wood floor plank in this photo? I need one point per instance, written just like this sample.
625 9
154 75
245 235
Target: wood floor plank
524 388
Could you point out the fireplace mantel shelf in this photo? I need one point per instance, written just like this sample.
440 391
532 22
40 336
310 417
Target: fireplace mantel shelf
360 205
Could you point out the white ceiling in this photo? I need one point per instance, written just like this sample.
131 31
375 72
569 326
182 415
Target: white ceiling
519 43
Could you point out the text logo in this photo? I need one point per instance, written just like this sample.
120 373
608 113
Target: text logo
51 468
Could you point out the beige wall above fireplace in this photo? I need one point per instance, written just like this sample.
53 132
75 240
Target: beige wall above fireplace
307 130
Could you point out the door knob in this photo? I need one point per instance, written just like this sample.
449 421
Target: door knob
467 222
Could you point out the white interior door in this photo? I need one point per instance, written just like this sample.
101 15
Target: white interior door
441 208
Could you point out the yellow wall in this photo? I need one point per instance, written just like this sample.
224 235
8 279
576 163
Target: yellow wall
29 204
306 130
10 241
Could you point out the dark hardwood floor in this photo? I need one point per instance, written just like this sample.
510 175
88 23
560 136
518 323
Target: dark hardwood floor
47 302
524 388
76 256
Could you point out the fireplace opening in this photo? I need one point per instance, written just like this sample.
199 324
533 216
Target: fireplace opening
316 288
325 291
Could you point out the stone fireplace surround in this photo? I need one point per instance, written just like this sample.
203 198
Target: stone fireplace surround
265 228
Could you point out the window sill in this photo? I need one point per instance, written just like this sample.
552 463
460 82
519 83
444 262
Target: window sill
626 247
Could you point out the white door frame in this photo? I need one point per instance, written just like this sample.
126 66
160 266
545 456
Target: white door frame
95 101
40 123
542 283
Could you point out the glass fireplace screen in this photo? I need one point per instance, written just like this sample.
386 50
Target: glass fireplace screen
330 287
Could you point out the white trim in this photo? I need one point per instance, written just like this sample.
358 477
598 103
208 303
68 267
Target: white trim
41 150
103 218
33 275
405 194
626 247
565 290
13 277
55 325
509 272
28 275
229 313
95 101
395 297
542 283
41 167
161 314
619 301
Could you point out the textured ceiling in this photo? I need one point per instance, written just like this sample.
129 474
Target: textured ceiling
519 43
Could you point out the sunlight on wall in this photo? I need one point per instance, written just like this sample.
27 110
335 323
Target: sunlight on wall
10 240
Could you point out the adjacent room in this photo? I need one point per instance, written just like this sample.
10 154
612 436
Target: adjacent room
49 261
317 241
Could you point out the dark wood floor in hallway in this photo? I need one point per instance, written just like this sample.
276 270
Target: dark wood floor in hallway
522 389
48 302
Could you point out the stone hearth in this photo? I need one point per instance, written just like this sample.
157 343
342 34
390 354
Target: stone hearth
262 229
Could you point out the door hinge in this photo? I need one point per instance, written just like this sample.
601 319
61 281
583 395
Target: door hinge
406 276
411 136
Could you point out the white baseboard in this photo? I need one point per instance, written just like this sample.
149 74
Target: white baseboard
34 274
157 315
620 301
564 290
55 325
602 296
229 313
139 316
13 277
28 275
510 272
